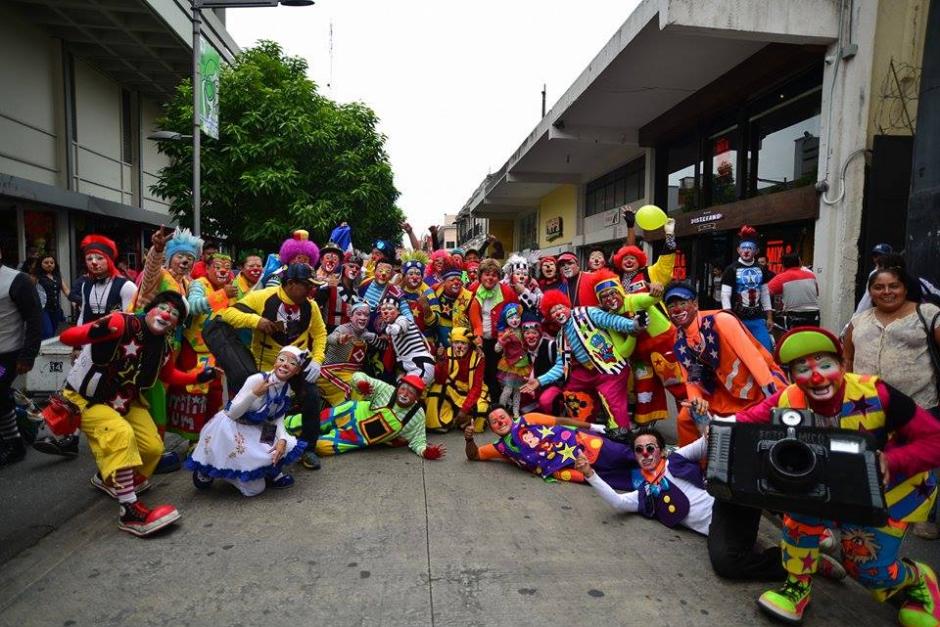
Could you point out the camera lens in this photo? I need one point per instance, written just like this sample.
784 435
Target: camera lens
792 464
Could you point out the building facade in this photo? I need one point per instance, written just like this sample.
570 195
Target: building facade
75 111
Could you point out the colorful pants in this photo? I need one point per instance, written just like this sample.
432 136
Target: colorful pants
655 370
189 407
758 328
869 554
444 401
354 425
612 389
116 441
335 383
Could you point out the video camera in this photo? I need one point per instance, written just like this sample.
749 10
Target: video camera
793 465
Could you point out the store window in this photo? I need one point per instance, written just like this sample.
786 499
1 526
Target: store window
40 229
681 269
723 149
528 232
617 188
9 247
785 145
684 173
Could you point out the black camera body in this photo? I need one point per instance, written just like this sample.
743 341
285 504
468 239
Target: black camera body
794 465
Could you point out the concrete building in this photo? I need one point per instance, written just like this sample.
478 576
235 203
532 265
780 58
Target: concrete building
448 231
725 113
81 87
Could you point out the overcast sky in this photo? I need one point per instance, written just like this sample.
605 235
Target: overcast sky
457 85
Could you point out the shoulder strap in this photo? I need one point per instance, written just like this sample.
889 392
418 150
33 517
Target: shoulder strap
932 349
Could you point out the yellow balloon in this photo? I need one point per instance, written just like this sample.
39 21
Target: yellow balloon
650 217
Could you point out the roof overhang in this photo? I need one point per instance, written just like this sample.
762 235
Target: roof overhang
666 51
144 45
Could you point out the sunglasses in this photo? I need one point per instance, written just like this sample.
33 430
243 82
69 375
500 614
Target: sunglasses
649 448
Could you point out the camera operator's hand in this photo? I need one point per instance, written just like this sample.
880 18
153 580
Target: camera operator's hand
885 472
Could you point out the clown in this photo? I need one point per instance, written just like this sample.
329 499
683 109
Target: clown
336 297
248 279
655 367
180 252
247 444
514 367
386 412
106 290
123 355
330 257
669 488
549 279
516 276
548 447
373 290
411 350
420 297
433 273
587 356
458 395
578 285
381 250
295 249
490 297
630 260
596 260
189 407
472 270
347 347
542 353
909 441
744 289
453 303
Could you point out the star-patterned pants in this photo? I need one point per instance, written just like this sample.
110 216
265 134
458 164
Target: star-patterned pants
116 441
869 554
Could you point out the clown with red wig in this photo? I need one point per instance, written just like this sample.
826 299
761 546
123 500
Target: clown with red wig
106 290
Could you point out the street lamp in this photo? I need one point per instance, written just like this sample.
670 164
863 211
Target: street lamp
198 6
171 136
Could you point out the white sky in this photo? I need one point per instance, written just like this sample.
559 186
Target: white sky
456 85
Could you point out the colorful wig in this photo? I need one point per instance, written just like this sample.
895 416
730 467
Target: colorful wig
747 234
414 259
515 262
508 310
630 251
103 245
299 244
437 254
183 241
553 298
607 280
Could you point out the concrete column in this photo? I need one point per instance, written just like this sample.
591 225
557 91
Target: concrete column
845 107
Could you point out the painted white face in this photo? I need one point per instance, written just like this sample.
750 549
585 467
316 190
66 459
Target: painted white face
351 271
569 269
819 375
596 260
389 312
162 319
359 318
520 275
96 263
513 320
286 366
560 314
460 349
329 261
630 263
181 263
413 278
405 395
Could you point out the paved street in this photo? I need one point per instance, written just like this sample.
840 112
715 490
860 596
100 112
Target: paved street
377 538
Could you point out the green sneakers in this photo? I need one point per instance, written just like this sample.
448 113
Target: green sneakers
789 602
922 606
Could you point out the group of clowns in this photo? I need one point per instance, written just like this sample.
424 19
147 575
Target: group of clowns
568 367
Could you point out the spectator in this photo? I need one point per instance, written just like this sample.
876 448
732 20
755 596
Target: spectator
762 262
49 280
127 271
800 291
32 258
209 248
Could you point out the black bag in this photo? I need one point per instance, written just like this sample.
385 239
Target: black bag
231 355
932 349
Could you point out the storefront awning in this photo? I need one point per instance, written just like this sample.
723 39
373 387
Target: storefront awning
664 53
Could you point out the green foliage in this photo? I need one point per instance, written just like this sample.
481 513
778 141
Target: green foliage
286 158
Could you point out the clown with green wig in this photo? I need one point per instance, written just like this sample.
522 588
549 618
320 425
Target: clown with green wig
909 447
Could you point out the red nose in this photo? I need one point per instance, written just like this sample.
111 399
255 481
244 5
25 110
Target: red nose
817 379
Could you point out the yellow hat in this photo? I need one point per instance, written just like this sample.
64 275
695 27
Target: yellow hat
460 334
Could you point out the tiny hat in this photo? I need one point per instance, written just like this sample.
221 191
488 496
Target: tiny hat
390 298
299 353
803 341
882 249
331 247
531 319
299 272
414 381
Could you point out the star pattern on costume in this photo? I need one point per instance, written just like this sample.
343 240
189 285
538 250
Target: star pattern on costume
786 556
119 403
567 452
545 431
809 562
683 349
707 323
446 308
131 349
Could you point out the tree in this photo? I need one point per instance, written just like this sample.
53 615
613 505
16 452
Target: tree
286 158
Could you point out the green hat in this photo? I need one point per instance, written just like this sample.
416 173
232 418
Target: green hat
803 341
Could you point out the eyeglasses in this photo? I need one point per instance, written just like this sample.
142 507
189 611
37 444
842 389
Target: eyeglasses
649 448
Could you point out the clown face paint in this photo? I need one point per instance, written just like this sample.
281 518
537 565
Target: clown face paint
389 312
97 264
596 261
162 319
286 366
520 276
181 263
531 334
747 251
220 272
329 261
252 269
413 278
499 421
383 272
489 279
460 349
611 300
570 269
647 452
682 312
438 265
473 273
513 320
549 271
819 376
301 258
405 395
351 271
453 286
560 314
359 318
629 264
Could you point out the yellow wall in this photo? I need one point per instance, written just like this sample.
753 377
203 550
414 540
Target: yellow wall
561 203
504 232
899 37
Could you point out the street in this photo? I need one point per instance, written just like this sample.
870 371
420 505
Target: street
374 538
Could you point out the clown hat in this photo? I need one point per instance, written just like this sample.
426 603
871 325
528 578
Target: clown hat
802 341
414 381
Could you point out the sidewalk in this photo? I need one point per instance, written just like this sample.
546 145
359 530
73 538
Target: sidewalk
385 538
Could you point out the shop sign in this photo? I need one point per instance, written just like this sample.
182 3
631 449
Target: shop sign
708 217
553 228
612 218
